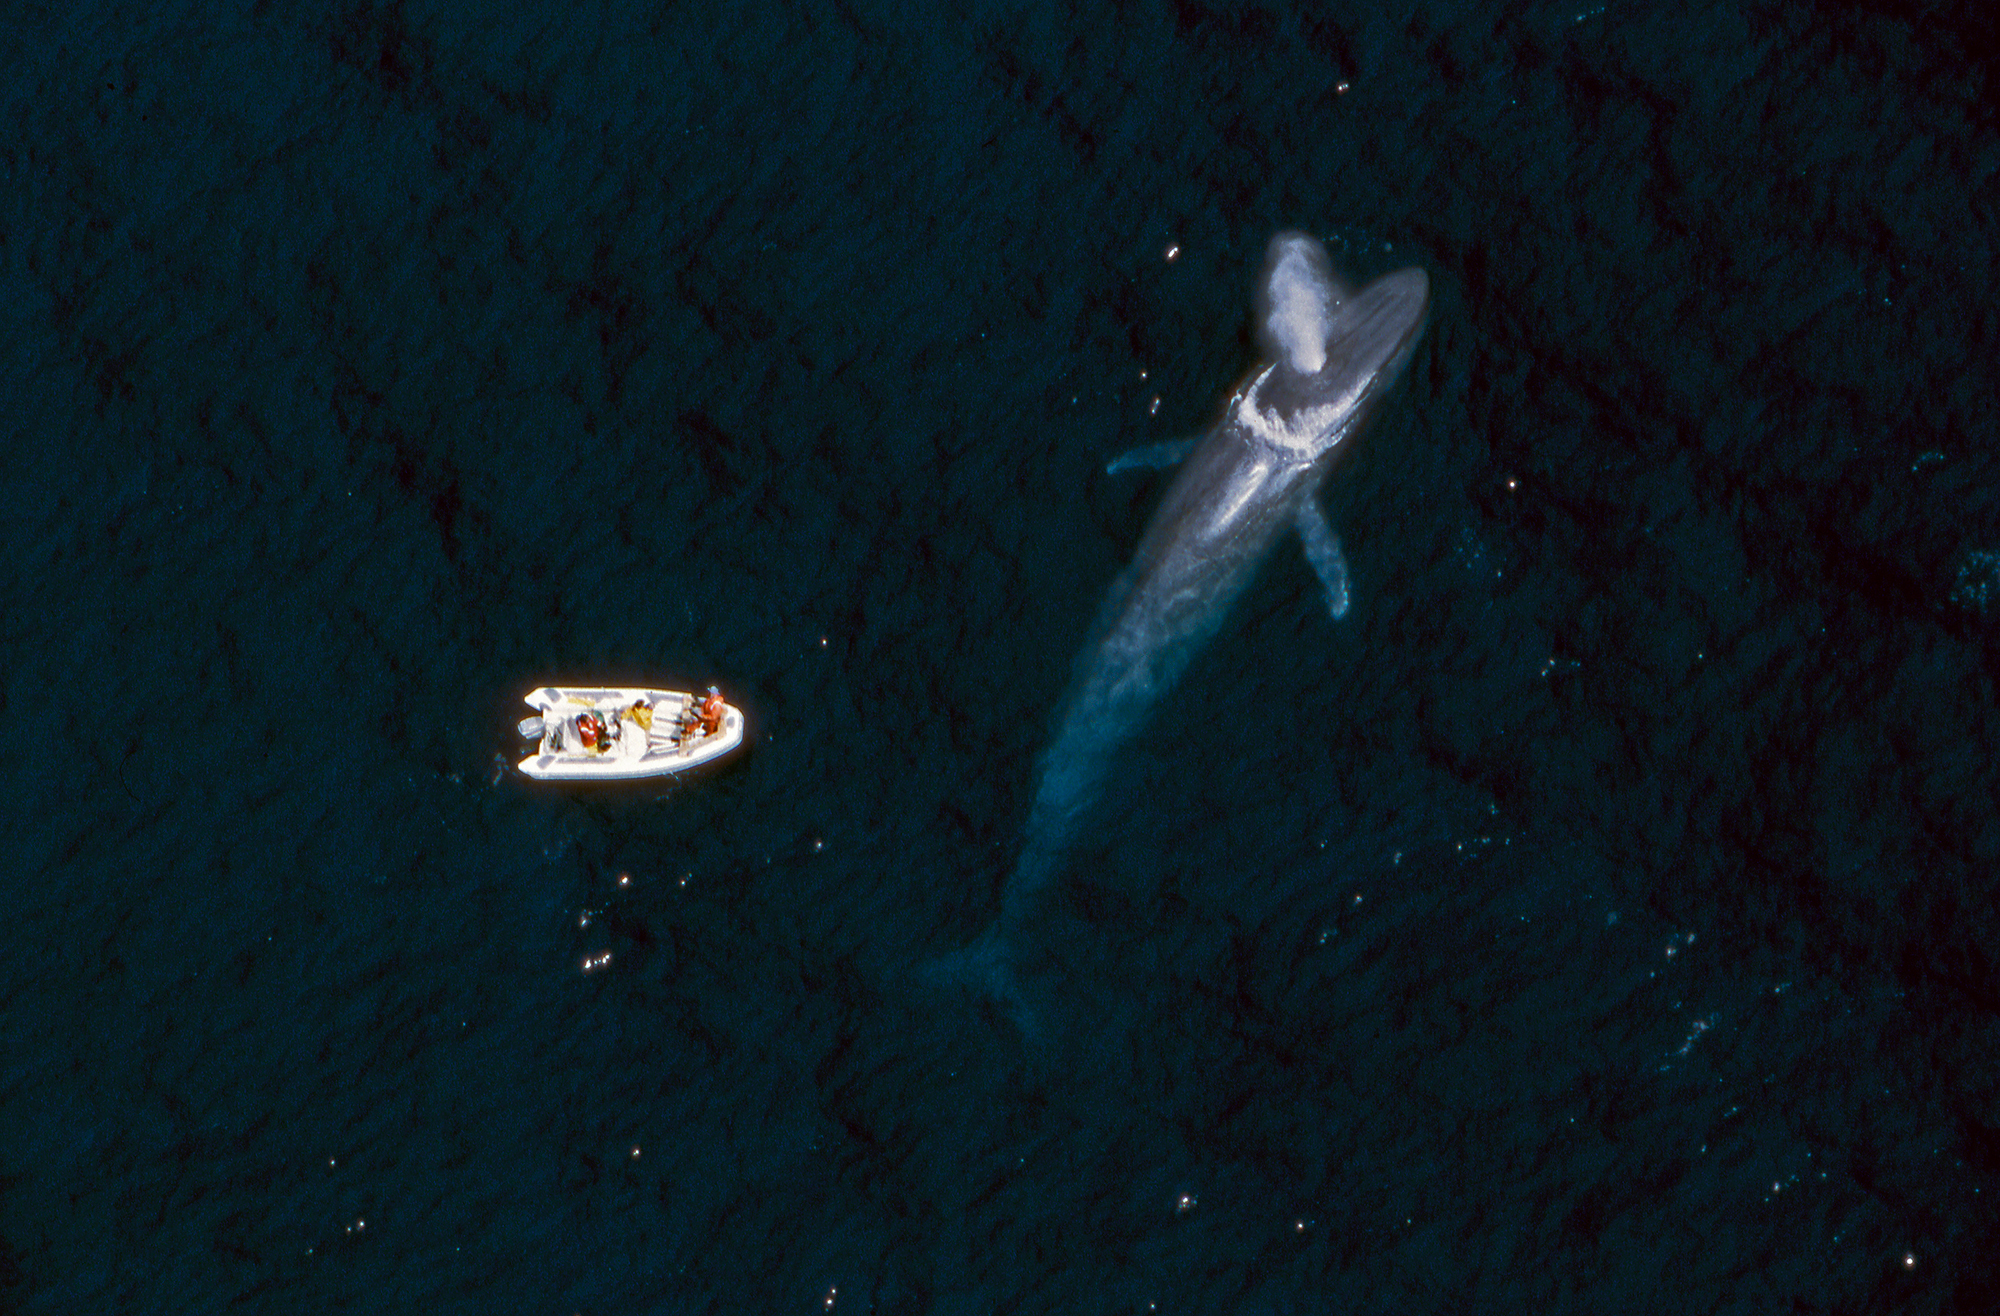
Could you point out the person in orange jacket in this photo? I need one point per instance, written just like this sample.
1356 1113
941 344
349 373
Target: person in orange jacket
711 712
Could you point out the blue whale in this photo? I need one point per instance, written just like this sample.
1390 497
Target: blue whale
1333 356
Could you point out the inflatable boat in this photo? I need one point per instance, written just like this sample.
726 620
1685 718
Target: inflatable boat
617 733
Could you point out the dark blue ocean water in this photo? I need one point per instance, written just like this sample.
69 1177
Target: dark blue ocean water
1601 918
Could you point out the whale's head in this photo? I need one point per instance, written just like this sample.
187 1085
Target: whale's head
1333 351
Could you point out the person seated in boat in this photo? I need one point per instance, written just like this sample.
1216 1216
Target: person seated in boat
701 719
591 731
642 713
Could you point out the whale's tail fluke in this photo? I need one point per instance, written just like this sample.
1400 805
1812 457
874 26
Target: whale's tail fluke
986 968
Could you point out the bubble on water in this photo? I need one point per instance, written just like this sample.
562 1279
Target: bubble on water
1978 583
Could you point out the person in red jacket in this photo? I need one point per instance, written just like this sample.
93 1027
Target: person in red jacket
711 712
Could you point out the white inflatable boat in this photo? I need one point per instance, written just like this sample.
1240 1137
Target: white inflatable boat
615 733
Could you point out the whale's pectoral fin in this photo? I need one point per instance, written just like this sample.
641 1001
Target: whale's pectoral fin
1323 551
1153 457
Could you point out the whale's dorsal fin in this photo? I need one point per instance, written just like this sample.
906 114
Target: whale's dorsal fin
1297 302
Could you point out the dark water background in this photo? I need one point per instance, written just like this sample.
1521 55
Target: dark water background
1600 919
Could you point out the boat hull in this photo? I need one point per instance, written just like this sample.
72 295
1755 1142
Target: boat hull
665 738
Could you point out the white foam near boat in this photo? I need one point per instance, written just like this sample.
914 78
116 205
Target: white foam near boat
612 733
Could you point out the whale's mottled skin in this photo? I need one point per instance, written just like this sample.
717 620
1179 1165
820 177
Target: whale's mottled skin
1334 354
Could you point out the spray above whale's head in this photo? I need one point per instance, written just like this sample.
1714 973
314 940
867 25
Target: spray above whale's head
1332 349
1296 302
